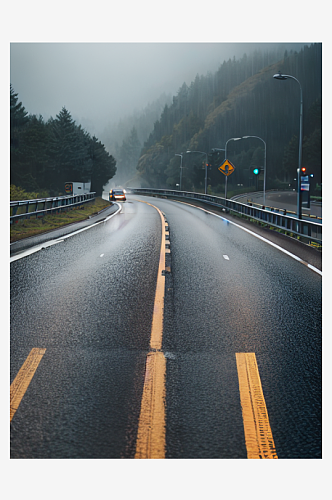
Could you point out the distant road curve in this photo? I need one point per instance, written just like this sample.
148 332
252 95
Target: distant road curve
280 199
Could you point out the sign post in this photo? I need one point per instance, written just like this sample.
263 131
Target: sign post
226 168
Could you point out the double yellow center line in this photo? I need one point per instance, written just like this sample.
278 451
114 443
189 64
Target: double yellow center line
151 436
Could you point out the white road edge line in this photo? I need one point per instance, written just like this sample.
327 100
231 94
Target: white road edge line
60 240
318 271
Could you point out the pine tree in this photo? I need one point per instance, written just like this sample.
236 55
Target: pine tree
34 146
18 120
69 150
18 114
290 159
103 165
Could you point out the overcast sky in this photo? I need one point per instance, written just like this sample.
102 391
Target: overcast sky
100 82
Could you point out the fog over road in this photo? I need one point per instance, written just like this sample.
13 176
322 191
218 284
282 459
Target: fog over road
89 301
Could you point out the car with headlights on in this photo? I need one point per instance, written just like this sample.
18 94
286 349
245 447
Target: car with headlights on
117 195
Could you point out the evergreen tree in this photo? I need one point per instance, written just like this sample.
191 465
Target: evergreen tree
18 120
32 171
290 160
63 148
18 114
312 154
46 155
82 167
103 165
69 151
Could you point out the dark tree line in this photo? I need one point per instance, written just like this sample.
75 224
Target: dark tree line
43 156
242 98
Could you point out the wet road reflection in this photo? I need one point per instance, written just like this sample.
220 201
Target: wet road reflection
89 301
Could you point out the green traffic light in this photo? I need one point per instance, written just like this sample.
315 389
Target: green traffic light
255 171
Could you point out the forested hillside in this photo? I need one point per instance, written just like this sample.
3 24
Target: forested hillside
43 156
125 139
242 98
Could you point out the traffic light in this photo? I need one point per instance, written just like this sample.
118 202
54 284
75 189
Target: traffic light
256 171
303 170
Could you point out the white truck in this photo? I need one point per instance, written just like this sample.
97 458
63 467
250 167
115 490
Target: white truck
75 188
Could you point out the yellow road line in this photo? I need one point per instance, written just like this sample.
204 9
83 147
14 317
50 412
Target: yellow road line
151 435
151 430
23 378
158 310
257 430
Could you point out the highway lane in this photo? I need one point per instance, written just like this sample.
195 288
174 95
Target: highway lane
89 302
232 293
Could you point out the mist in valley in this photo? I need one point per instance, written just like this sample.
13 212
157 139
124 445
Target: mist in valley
117 92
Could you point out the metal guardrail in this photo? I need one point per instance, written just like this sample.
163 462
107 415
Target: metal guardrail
274 209
43 206
308 230
282 210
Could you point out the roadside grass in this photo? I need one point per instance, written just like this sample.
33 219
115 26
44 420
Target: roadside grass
29 227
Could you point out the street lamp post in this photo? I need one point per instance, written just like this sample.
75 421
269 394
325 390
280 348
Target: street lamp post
181 155
232 139
279 76
206 162
264 185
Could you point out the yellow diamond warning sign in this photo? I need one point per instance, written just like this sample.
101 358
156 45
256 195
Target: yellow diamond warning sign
226 168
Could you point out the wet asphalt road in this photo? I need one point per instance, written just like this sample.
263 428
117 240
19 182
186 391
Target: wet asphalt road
89 301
